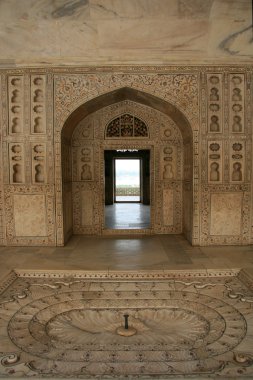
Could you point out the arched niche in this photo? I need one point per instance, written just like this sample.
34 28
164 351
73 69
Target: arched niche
104 101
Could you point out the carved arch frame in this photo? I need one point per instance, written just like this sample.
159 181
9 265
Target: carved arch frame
174 99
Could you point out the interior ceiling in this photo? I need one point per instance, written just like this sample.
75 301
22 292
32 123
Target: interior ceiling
77 32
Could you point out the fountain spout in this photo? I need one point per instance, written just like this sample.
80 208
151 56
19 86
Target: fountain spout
126 330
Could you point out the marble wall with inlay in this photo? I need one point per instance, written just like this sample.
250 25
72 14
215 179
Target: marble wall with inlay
56 123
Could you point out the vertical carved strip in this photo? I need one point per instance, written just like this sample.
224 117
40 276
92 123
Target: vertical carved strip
17 159
39 172
16 104
215 162
214 102
38 104
226 106
236 101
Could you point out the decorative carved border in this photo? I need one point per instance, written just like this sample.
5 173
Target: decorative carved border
7 280
208 239
134 71
46 190
72 91
128 275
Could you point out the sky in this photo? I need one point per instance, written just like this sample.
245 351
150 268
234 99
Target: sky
127 172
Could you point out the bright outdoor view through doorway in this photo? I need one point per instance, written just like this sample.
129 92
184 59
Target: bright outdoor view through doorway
127 180
127 189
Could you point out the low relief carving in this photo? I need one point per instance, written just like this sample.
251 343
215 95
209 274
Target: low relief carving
38 96
39 163
38 115
214 172
236 96
237 125
126 126
16 154
17 173
214 86
168 172
168 169
16 125
225 158
125 119
214 94
237 172
214 124
86 164
16 104
215 161
236 84
86 172
237 161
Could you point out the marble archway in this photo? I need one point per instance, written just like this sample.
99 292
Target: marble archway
98 111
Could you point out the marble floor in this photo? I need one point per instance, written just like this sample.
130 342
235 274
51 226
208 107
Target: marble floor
127 216
158 252
199 294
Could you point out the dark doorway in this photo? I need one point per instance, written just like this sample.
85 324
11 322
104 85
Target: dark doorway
127 189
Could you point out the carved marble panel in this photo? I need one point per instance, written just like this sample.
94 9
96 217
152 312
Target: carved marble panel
87 208
168 207
29 215
214 102
88 157
226 214
215 161
16 104
38 104
86 211
169 130
39 167
224 108
83 131
85 163
17 163
236 102
237 157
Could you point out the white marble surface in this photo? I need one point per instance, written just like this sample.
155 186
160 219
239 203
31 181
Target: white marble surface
117 31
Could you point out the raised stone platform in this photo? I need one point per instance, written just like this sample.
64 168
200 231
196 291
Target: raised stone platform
188 323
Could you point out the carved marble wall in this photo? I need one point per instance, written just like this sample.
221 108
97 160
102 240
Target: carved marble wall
200 175
127 125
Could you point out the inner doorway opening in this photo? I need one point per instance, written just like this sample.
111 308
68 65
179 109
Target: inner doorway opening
127 179
127 189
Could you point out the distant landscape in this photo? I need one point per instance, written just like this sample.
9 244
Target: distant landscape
127 173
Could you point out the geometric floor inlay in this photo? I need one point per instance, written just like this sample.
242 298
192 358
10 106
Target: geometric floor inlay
187 323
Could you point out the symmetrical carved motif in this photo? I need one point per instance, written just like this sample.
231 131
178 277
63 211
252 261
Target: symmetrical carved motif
187 323
32 208
225 215
218 100
168 165
180 89
38 110
237 161
39 171
16 104
16 154
214 91
215 169
126 126
237 102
